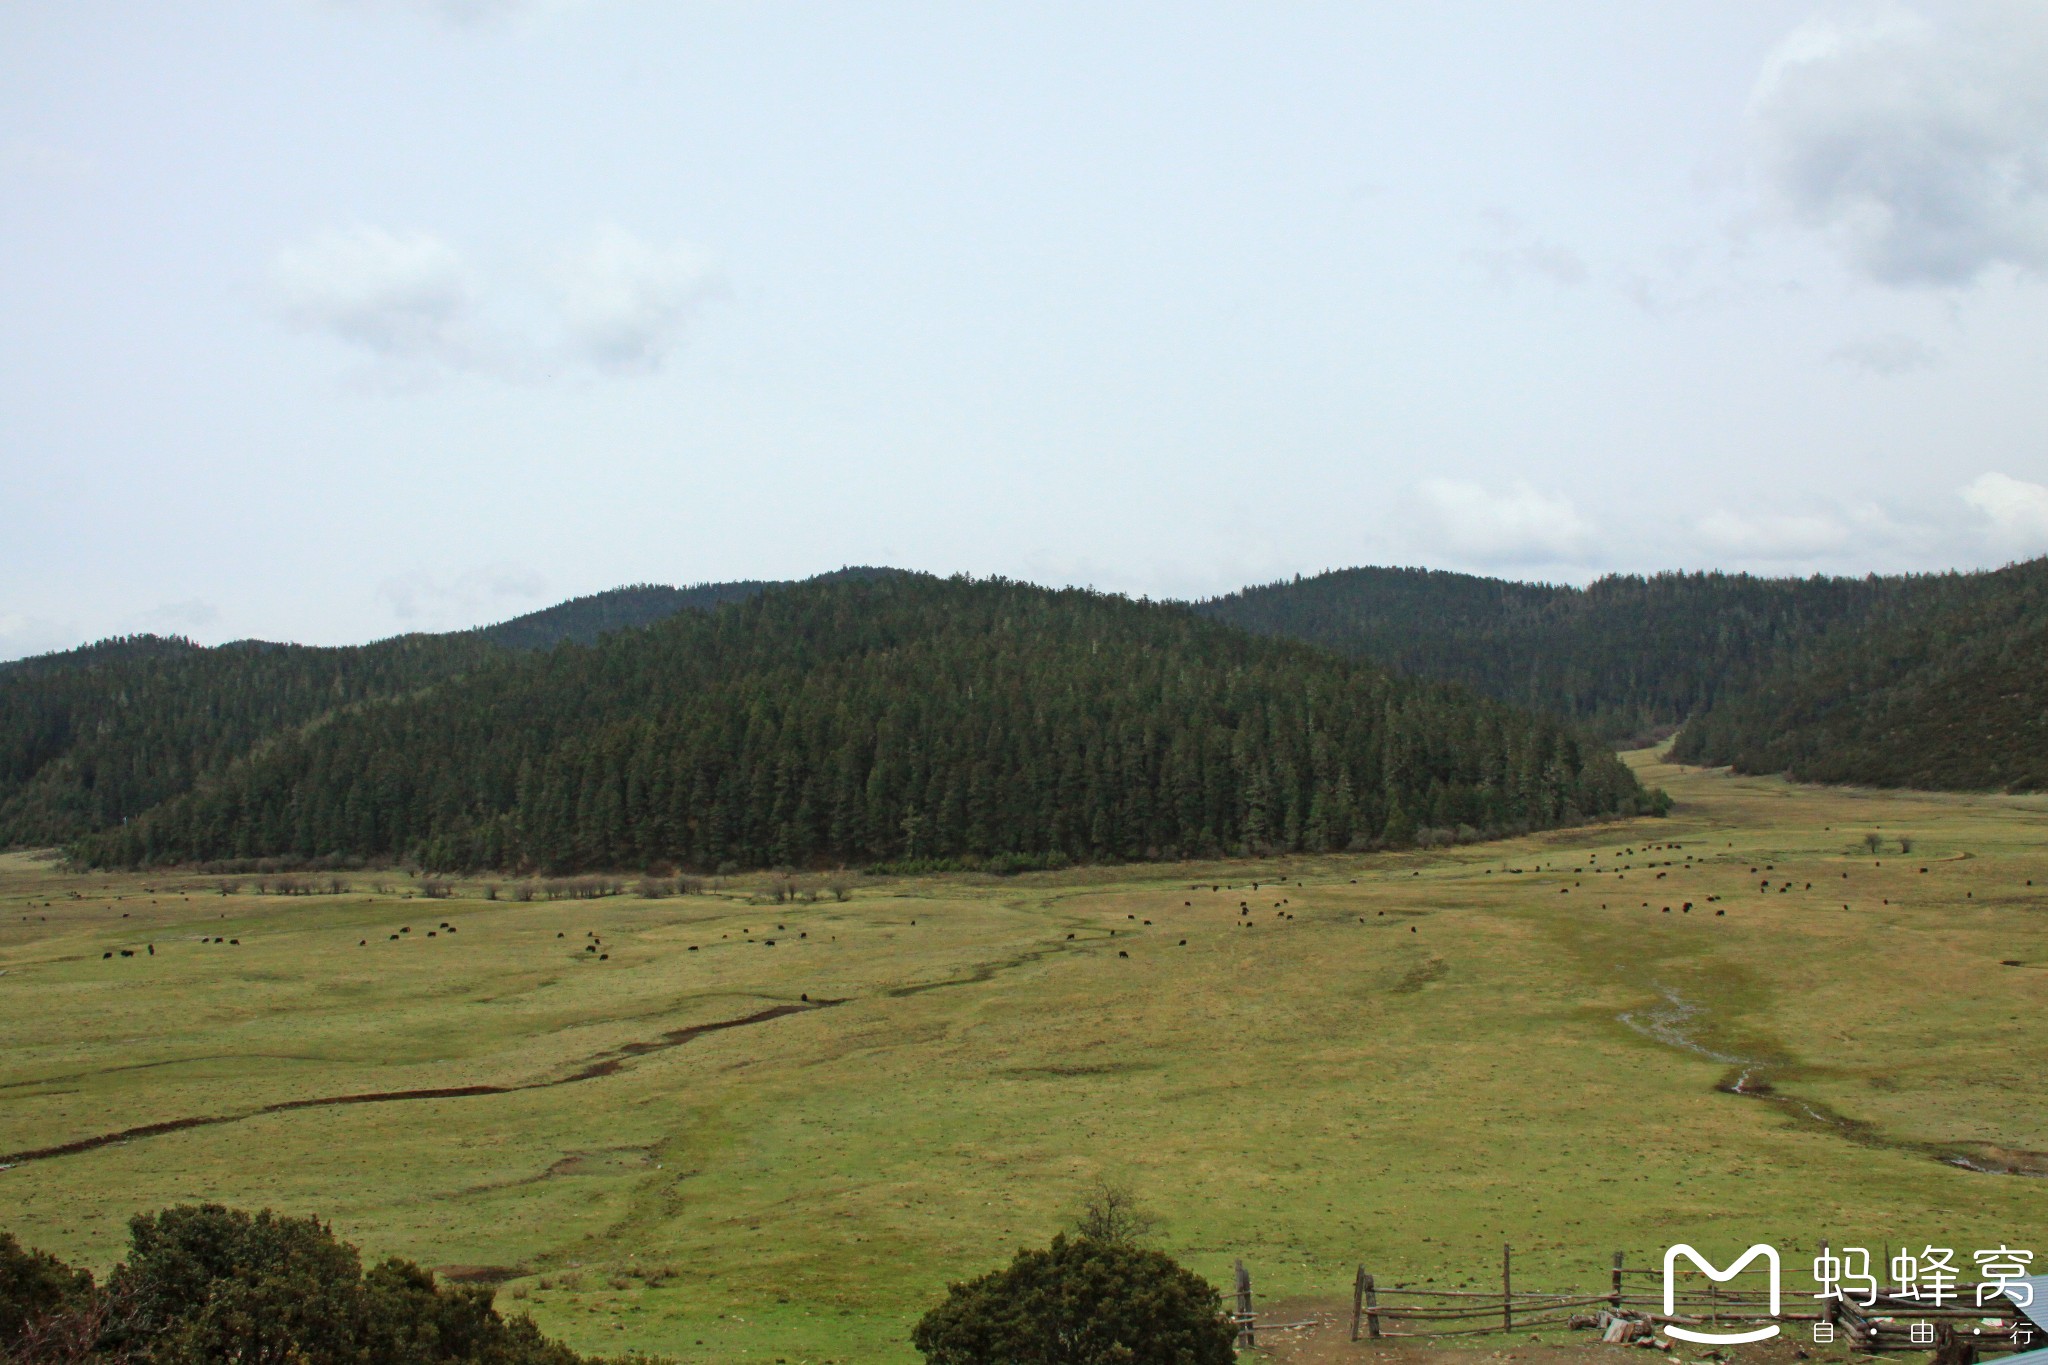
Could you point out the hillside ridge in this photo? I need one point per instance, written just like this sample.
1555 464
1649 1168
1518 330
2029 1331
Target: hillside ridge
898 718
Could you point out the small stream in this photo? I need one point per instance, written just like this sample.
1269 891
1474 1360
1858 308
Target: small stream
1674 1023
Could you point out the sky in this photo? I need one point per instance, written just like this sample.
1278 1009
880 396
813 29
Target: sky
324 320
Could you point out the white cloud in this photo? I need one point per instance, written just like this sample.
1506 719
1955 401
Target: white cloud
1774 537
417 307
1512 524
459 600
403 297
22 636
1824 537
1920 147
1886 355
625 302
2016 509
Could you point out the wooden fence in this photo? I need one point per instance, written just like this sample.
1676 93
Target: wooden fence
1697 1301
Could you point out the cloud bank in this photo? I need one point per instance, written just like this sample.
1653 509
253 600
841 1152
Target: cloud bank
2016 510
424 596
398 296
1920 147
413 304
1886 355
625 302
1505 524
1517 531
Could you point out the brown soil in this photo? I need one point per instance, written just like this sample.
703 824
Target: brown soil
1329 1343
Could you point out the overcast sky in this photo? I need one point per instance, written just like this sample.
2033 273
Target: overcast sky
327 319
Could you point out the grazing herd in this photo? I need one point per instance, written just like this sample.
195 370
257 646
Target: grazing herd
594 948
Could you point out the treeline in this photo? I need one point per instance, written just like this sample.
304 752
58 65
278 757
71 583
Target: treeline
584 619
1628 657
899 719
1919 680
89 741
204 1284
1946 691
93 736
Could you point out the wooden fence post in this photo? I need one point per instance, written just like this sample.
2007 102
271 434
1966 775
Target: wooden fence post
1507 1290
1247 1334
1357 1302
1372 1308
1615 1297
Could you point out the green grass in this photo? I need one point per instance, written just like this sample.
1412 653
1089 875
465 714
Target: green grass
1307 1093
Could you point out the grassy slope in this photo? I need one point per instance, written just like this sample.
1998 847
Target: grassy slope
1306 1093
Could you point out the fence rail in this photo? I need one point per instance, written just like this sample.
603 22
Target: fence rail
1625 1312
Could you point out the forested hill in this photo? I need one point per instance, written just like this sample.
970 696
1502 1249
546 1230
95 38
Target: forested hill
1627 656
902 718
1949 691
584 619
93 736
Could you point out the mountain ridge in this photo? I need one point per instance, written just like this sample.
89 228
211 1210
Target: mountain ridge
900 717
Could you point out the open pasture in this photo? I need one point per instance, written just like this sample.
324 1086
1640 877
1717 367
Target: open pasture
764 1152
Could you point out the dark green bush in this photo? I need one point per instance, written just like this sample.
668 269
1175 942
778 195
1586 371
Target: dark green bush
1080 1302
34 1285
205 1284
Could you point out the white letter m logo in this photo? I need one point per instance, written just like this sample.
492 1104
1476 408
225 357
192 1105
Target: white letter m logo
1770 1255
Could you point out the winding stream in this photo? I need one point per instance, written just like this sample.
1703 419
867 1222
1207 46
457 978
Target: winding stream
1673 1023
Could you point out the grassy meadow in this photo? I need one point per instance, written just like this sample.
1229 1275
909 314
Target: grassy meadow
1401 1060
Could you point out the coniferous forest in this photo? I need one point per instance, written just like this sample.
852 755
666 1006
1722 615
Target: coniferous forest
900 719
1628 657
99 735
597 732
1947 690
1923 680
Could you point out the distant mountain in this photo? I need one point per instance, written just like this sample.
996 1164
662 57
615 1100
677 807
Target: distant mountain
1628 657
584 619
97 735
1948 690
93 736
1928 680
890 719
116 650
1934 680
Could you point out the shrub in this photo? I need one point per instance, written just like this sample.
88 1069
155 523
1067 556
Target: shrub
204 1284
1080 1302
1112 1213
33 1286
